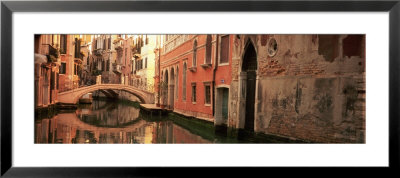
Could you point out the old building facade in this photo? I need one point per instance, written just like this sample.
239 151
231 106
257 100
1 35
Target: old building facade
103 58
193 73
71 62
47 62
310 87
144 61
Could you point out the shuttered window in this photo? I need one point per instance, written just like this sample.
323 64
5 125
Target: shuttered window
63 45
194 92
63 68
57 82
184 82
108 65
207 94
52 80
109 43
95 44
208 49
77 48
224 49
194 53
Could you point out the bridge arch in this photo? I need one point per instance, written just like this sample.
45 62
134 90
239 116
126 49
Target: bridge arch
141 98
72 96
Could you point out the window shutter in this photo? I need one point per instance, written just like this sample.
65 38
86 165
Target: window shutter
224 49
208 49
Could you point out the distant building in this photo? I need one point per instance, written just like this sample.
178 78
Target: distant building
104 56
144 62
71 62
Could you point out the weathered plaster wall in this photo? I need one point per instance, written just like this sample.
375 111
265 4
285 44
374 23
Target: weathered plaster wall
312 89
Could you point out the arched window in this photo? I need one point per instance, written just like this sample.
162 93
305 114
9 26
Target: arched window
184 82
194 52
177 82
208 49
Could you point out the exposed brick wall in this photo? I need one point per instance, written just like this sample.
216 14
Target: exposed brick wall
310 89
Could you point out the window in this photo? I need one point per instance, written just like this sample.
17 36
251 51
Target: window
52 80
108 65
145 62
208 49
109 43
57 81
207 89
328 46
184 82
352 45
194 53
272 47
224 49
75 69
177 83
63 45
63 68
193 92
77 48
126 53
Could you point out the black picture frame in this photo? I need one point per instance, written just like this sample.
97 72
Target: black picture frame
8 7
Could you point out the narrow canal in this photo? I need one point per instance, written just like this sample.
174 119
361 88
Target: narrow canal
123 122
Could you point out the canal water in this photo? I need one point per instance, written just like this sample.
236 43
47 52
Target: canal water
122 122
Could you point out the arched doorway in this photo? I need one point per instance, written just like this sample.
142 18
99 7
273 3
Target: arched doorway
249 66
171 88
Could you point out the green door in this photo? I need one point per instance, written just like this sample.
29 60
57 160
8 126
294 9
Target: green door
225 98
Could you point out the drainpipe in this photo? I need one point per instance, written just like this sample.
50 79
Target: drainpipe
214 70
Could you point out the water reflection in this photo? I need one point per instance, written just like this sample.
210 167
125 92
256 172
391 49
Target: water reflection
110 122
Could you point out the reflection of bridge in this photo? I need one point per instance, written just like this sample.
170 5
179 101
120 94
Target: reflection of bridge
72 96
73 120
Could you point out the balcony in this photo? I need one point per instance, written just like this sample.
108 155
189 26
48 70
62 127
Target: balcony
205 66
118 45
50 52
79 57
193 69
98 52
117 68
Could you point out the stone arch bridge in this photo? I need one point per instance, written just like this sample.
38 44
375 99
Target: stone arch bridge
72 96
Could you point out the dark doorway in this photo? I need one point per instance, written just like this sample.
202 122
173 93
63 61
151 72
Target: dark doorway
250 67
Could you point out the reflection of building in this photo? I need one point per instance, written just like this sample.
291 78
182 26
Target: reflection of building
47 61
